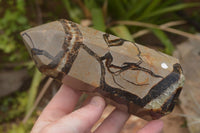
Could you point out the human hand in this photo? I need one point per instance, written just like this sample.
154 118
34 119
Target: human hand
59 117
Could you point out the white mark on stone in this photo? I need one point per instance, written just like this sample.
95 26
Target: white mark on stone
164 65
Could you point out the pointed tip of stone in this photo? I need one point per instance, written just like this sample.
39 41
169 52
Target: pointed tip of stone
41 36
44 42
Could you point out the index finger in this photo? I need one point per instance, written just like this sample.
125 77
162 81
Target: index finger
62 103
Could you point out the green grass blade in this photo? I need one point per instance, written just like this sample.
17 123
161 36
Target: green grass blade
33 89
137 8
151 7
169 48
90 4
98 19
116 8
169 9
167 3
97 15
73 12
122 31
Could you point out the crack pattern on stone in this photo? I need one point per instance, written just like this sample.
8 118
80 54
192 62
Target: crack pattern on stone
126 65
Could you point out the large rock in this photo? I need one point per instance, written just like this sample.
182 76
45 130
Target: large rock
136 79
189 55
12 80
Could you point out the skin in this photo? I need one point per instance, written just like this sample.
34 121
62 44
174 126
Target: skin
59 116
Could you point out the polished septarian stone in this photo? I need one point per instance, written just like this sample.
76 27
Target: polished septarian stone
134 78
